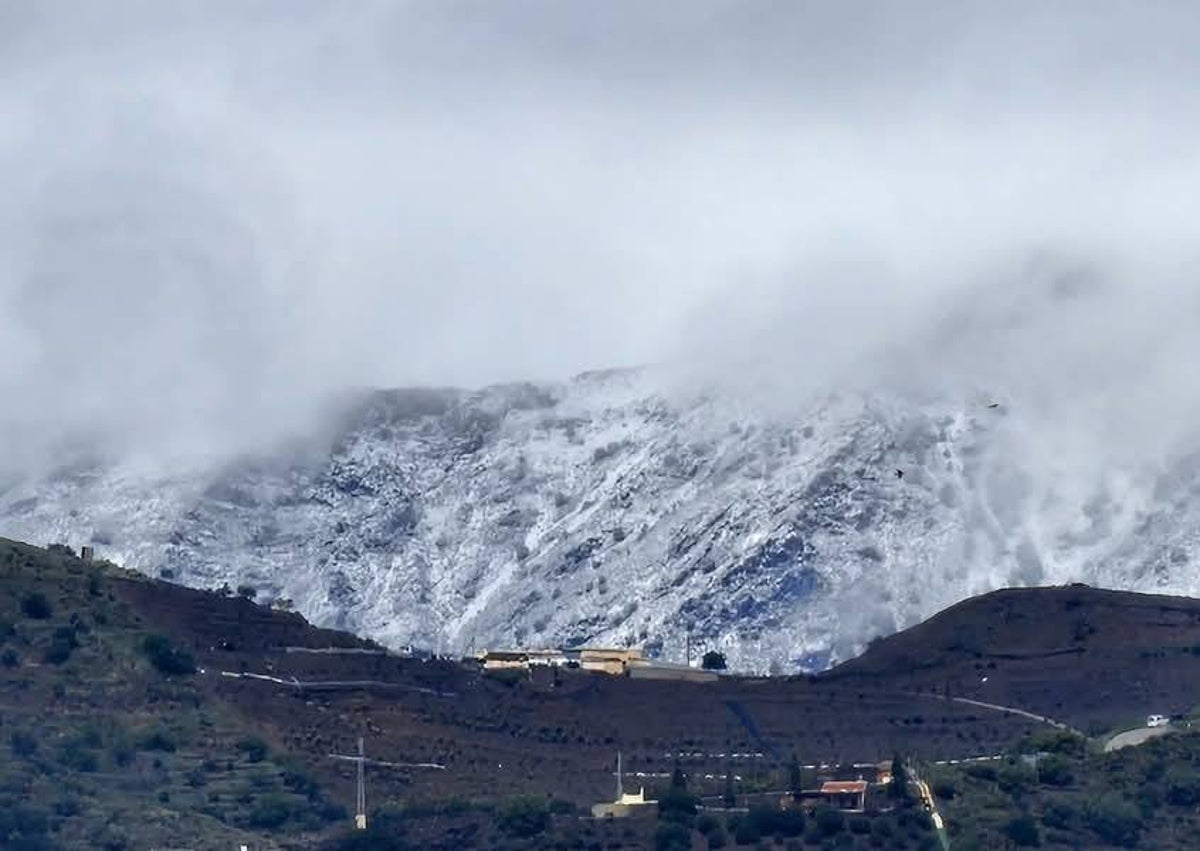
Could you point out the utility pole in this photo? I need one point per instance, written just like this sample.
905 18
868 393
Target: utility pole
360 759
689 645
360 812
620 780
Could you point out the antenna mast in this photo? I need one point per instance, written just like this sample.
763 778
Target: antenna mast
360 817
360 759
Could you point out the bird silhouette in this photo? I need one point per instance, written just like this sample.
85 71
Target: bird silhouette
899 474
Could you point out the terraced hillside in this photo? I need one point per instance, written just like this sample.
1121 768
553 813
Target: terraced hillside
137 712
1086 656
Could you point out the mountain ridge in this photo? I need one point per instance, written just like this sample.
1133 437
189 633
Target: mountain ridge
609 510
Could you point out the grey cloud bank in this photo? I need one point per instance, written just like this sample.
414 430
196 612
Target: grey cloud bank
217 214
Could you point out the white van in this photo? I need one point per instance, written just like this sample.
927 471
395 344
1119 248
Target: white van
1157 721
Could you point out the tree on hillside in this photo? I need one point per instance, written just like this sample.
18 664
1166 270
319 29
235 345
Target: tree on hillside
36 606
795 776
678 778
713 661
899 786
166 658
729 797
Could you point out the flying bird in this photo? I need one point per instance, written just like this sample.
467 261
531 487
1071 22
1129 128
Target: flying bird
994 405
899 474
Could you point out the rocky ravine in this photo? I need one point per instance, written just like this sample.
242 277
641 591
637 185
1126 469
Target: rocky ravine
603 511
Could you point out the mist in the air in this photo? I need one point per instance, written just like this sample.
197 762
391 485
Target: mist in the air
216 215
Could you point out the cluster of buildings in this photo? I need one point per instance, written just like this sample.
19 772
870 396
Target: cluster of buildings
845 795
628 661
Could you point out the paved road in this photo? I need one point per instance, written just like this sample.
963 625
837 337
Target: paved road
931 807
1136 737
1012 709
995 707
333 685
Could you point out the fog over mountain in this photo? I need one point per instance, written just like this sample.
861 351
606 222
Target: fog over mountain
222 218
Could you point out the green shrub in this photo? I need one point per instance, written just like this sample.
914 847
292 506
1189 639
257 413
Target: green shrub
76 755
24 745
123 752
982 771
829 821
270 812
24 823
61 644
68 806
746 831
296 779
1055 771
254 748
944 789
36 606
1023 831
524 817
1183 787
1056 742
1014 779
677 804
771 821
167 659
672 836
158 740
1114 819
1059 814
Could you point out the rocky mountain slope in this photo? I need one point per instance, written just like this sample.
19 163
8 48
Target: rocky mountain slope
605 510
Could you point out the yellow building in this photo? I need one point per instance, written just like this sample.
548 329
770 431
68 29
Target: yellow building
610 660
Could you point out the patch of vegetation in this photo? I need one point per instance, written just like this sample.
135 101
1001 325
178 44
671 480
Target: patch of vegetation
1142 797
166 658
36 606
116 755
254 748
523 817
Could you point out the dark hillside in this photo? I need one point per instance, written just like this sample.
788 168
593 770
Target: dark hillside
138 713
1088 657
555 733
107 739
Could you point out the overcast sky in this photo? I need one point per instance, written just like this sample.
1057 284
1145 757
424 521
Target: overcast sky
215 213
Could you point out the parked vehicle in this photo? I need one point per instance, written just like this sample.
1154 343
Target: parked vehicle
1157 721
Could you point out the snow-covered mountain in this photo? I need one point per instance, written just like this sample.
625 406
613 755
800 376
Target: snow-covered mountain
603 510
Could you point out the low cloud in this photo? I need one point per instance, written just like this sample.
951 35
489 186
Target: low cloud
216 215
